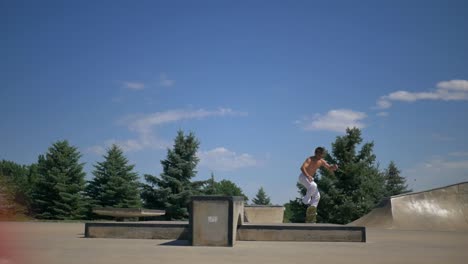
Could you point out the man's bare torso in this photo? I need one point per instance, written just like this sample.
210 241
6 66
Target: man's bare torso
312 164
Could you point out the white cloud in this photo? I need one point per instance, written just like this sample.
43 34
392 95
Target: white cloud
459 154
454 90
134 85
97 150
144 126
335 120
382 114
222 159
457 85
435 173
144 123
440 137
165 81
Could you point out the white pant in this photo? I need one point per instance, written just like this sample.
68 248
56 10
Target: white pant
312 196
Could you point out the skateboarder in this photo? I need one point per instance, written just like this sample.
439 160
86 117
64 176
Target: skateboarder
306 178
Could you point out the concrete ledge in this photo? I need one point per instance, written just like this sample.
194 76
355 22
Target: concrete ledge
139 230
127 212
301 232
246 232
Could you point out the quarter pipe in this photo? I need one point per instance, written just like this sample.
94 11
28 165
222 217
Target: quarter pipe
444 209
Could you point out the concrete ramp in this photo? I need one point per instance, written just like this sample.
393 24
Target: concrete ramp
444 209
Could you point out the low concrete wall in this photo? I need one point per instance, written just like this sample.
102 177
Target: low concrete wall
140 230
246 232
260 214
301 232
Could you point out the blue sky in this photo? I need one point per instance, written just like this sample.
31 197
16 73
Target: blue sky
260 83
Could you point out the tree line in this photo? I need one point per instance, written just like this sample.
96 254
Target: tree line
56 188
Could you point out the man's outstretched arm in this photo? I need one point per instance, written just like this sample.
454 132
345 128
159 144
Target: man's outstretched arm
329 167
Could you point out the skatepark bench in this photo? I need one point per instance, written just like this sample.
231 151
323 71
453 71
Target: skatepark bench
121 214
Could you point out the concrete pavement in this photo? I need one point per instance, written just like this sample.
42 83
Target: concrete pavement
64 243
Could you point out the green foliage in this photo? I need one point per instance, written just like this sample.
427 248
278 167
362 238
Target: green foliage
295 210
228 188
210 187
58 191
394 183
114 184
224 188
18 181
172 191
356 187
261 198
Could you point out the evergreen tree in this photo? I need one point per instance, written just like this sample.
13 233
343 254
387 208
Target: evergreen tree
394 183
114 184
354 189
58 191
172 191
261 198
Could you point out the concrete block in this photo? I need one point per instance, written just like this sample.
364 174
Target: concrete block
262 214
214 219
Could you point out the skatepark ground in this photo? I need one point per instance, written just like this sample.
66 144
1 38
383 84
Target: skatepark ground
61 242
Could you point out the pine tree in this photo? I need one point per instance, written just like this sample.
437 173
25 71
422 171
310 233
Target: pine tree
394 183
356 187
58 191
114 184
261 198
172 191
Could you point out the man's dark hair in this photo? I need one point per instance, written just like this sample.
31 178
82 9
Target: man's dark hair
320 150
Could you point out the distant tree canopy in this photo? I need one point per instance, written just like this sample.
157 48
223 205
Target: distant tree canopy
173 189
115 184
55 187
17 180
261 198
224 188
229 188
58 192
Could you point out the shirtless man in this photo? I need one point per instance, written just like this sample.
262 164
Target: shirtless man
306 178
